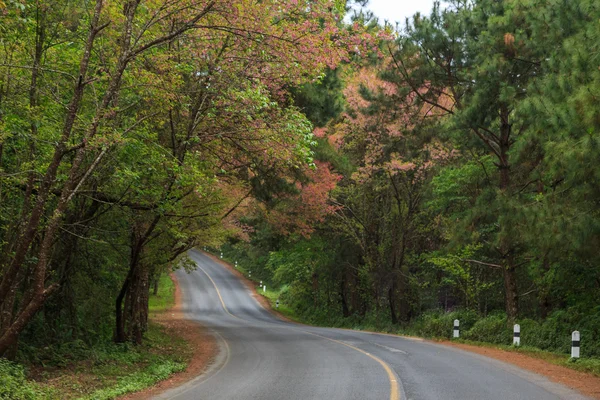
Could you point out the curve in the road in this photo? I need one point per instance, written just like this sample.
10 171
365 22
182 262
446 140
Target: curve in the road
394 391
263 357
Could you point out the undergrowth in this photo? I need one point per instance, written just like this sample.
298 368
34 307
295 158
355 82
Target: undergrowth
104 370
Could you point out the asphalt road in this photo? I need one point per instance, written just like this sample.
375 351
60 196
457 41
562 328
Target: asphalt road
262 357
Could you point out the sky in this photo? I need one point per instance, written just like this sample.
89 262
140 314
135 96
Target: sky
398 10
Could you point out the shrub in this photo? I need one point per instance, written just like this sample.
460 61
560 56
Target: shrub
440 324
492 329
14 385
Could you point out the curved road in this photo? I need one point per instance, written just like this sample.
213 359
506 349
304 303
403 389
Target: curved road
263 357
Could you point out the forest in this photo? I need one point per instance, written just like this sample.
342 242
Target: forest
376 175
459 168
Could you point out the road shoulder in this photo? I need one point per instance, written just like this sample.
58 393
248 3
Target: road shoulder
203 345
582 382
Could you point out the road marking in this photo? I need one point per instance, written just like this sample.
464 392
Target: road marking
394 390
392 349
200 379
416 339
219 294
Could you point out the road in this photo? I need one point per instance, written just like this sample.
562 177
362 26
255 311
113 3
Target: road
262 357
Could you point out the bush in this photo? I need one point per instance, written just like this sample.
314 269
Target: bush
492 329
439 324
530 333
14 385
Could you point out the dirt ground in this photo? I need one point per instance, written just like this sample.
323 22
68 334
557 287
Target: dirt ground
203 345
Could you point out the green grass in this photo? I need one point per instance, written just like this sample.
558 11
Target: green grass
15 385
272 296
165 297
139 368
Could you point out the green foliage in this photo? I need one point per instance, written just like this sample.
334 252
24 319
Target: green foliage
15 386
165 298
491 329
139 380
321 101
437 324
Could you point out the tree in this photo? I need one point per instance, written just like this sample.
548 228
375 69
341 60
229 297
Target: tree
202 83
473 62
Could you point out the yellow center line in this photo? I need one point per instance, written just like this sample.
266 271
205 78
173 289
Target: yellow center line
394 389
219 294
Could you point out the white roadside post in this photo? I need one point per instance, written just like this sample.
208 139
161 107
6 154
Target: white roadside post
576 341
264 288
260 284
249 274
221 254
517 335
277 304
236 264
456 332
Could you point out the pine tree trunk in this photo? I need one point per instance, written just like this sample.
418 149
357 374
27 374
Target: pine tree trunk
544 296
506 248
510 286
391 291
345 310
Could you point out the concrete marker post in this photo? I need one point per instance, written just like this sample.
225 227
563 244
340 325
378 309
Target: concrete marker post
456 331
277 304
575 344
517 335
264 288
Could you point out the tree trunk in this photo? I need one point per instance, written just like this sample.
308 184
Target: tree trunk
511 294
10 337
136 248
29 231
544 296
315 285
506 247
155 284
136 305
345 310
391 291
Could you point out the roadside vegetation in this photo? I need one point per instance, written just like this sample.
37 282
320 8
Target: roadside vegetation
103 371
463 184
131 132
542 340
381 177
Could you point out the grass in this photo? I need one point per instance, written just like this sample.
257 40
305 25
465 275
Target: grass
272 296
165 298
159 357
106 370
